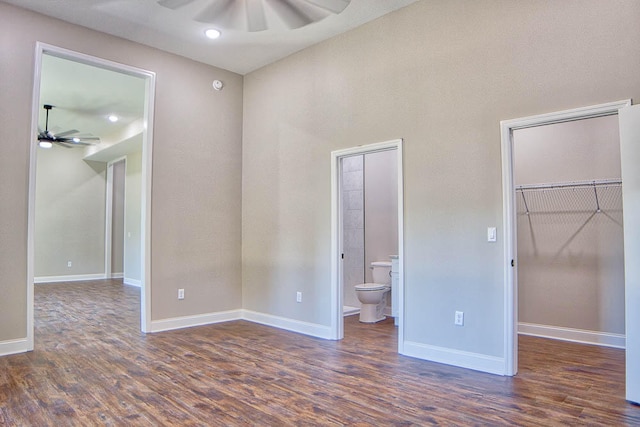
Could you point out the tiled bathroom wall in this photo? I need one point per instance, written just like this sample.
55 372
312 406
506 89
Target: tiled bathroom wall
353 221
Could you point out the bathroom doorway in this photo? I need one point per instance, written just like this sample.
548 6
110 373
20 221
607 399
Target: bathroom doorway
367 196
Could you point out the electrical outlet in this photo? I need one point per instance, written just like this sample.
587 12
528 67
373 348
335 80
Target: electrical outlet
459 319
180 293
69 264
298 296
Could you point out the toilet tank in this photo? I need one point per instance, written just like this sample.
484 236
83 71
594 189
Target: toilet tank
381 272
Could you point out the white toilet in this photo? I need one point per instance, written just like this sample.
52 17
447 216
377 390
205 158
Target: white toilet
373 296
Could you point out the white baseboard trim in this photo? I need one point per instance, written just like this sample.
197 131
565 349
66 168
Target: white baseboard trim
70 278
463 359
349 310
132 282
291 325
197 320
604 339
13 347
306 328
117 276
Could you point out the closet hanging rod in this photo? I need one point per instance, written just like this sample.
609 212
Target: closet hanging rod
575 184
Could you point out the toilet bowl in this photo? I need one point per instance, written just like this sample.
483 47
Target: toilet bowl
373 296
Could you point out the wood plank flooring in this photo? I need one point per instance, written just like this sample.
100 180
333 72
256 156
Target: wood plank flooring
92 366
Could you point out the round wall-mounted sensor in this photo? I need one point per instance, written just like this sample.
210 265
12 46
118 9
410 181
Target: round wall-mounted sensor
217 85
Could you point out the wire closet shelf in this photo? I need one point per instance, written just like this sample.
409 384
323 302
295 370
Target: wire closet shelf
593 195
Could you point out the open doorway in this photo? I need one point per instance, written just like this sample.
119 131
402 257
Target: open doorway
570 248
350 209
74 217
510 212
369 225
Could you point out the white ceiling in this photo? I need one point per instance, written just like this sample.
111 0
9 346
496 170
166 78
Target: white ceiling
84 96
177 30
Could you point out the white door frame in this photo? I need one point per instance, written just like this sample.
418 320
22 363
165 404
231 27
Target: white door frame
337 319
108 225
508 197
147 145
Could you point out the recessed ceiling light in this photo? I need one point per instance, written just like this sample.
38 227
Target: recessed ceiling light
113 118
212 33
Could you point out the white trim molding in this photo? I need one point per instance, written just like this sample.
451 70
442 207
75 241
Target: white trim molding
510 304
197 320
448 356
70 278
9 347
604 339
291 325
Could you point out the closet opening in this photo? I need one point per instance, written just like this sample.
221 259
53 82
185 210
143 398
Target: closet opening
558 208
568 215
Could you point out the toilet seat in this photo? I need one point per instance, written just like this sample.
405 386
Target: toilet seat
371 287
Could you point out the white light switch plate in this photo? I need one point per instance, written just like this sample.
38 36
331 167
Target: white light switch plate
491 234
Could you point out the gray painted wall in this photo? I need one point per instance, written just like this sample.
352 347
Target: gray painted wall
570 259
133 218
380 207
440 75
118 218
70 213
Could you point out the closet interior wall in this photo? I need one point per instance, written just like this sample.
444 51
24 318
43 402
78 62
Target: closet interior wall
570 229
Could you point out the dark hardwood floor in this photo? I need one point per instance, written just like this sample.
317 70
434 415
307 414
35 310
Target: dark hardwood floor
92 366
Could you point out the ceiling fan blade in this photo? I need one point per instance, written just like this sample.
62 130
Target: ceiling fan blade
333 6
296 14
79 139
69 143
174 4
217 12
256 20
61 144
65 133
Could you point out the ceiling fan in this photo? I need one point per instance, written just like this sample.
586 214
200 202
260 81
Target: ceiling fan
260 15
67 139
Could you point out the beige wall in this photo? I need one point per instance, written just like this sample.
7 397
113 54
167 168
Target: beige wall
133 218
441 75
196 169
570 258
118 218
70 213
